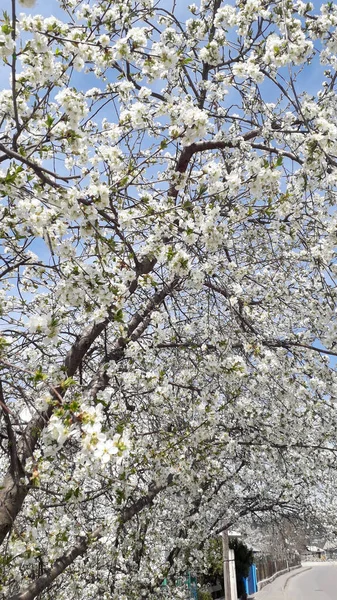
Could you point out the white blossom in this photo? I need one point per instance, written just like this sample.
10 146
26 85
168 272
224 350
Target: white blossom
168 286
27 3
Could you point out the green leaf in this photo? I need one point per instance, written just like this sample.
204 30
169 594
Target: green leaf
68 495
12 174
6 29
118 316
3 342
170 253
120 496
67 383
39 376
49 121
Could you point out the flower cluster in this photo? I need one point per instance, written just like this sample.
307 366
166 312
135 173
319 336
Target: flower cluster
168 299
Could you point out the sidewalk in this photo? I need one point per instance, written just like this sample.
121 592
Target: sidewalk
276 589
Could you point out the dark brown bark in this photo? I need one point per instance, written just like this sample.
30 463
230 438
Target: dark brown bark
14 491
57 569
64 561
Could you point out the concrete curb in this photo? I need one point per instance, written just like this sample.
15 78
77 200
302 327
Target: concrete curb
303 570
277 594
262 584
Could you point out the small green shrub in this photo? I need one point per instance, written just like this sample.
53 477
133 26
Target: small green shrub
204 595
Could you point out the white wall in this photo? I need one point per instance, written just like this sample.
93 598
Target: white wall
232 574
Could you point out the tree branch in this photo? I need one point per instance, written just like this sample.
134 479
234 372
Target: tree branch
58 568
40 171
64 561
15 465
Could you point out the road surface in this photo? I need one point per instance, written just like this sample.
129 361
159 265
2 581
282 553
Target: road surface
318 583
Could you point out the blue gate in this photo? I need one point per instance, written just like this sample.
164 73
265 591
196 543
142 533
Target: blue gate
250 582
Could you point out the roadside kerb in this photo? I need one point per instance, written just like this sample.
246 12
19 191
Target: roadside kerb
274 590
264 582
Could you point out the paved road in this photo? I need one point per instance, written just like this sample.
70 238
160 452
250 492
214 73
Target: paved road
319 583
